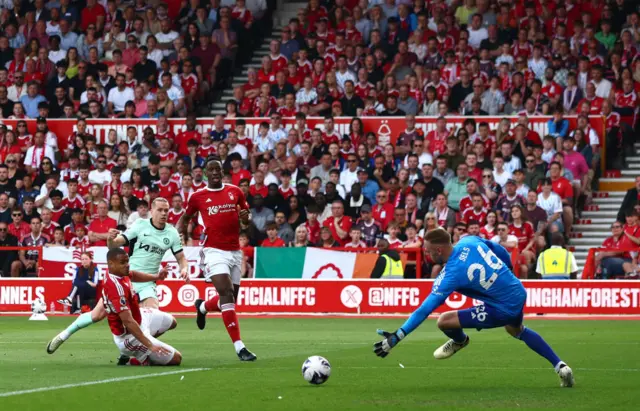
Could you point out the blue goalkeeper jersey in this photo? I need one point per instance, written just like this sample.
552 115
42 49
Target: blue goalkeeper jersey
479 269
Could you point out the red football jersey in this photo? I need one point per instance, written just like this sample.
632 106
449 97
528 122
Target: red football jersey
345 224
173 216
49 230
471 214
278 242
183 138
524 233
77 202
56 214
205 152
563 188
218 209
189 82
118 296
169 156
167 190
83 189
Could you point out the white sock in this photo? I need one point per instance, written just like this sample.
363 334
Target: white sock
64 335
238 345
202 309
558 365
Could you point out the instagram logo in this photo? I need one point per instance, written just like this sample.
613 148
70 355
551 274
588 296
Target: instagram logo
188 295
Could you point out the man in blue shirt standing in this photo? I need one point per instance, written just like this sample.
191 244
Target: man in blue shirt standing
478 269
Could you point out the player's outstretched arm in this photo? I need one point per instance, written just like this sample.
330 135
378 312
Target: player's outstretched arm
184 266
139 277
115 239
134 329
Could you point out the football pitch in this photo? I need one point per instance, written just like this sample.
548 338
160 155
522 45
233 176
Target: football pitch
494 371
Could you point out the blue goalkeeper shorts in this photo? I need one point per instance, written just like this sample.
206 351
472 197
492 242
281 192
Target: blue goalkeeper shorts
484 316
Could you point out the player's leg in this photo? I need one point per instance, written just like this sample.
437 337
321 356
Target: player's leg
147 294
173 358
157 322
84 320
223 269
540 346
449 324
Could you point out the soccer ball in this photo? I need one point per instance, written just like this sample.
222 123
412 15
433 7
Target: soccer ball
38 306
316 370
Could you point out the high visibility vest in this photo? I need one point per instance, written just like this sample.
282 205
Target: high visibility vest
555 262
393 268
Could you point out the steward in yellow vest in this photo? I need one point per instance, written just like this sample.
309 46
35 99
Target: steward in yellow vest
389 264
557 263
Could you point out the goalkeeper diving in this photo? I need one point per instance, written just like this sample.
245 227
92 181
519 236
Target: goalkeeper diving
478 269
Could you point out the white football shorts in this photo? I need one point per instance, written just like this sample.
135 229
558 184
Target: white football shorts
214 261
154 322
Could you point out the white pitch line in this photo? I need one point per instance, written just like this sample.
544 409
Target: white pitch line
456 368
107 381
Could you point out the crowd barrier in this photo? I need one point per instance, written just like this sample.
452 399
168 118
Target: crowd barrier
387 129
327 293
351 296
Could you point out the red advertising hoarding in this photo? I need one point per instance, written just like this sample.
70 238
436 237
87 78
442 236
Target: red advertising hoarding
349 296
386 128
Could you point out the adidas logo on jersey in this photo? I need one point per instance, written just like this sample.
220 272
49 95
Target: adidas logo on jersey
208 200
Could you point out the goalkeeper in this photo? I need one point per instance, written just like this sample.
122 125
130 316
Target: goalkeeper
478 269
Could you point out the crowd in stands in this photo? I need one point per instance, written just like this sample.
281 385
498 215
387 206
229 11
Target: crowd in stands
315 186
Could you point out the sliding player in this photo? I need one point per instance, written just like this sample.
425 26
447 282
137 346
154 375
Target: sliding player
132 327
148 241
220 207
478 269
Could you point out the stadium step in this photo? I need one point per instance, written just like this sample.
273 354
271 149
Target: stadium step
600 214
591 228
591 241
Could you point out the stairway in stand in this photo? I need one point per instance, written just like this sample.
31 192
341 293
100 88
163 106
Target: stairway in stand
595 225
288 11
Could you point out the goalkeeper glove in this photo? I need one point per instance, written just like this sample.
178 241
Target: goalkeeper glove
382 348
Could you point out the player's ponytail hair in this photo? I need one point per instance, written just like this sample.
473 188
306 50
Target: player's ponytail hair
438 236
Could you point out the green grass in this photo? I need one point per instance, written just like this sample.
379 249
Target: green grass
495 371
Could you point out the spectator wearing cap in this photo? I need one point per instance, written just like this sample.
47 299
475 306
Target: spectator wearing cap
369 187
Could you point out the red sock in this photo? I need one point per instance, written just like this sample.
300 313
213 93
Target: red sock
212 304
230 320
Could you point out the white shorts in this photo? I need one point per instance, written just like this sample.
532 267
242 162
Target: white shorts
214 261
154 322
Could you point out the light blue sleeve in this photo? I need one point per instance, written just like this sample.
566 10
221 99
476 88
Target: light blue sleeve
445 284
134 231
564 129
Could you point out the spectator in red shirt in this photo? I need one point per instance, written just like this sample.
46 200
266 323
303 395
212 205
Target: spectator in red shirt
616 263
383 210
259 187
356 238
18 227
272 239
339 224
237 171
93 14
100 226
562 187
